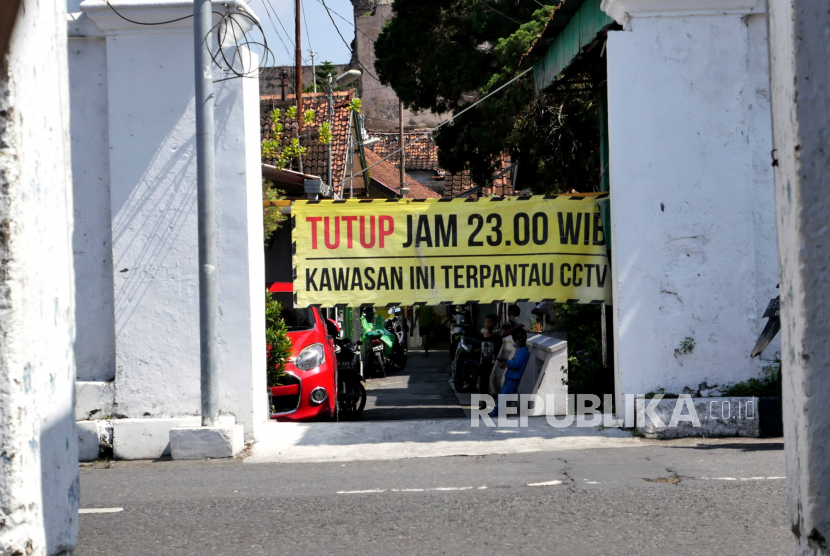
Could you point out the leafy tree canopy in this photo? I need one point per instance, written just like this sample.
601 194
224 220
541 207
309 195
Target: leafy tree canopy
442 56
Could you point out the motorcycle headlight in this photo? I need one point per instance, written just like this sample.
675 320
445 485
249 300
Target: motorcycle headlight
311 357
456 330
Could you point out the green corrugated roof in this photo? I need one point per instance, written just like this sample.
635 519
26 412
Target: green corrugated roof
574 25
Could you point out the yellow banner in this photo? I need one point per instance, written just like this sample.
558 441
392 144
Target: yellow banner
373 252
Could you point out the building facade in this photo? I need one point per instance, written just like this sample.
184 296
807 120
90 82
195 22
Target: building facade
135 242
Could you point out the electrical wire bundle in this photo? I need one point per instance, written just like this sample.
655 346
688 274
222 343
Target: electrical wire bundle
228 27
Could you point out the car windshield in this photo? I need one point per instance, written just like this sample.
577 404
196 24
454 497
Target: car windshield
299 318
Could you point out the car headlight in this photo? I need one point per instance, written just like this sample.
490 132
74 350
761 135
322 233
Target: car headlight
311 357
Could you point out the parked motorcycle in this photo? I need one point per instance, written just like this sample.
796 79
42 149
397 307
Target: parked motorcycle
478 366
375 361
461 325
468 349
398 354
351 395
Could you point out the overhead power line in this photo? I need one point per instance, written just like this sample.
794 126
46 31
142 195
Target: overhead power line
356 28
442 124
501 14
328 11
267 3
148 23
307 34
227 24
276 31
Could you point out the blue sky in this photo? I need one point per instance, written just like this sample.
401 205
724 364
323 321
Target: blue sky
320 32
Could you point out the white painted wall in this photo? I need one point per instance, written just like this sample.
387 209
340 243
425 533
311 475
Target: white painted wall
692 193
39 479
92 237
150 202
801 116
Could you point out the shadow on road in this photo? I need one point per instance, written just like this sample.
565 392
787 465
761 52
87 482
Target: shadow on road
420 391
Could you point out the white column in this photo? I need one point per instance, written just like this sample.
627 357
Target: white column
39 480
801 109
691 191
150 87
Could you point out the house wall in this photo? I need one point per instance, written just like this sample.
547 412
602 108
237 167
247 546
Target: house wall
39 489
380 103
151 207
692 195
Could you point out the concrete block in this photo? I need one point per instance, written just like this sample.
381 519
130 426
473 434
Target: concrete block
206 442
146 438
546 369
717 417
94 440
94 400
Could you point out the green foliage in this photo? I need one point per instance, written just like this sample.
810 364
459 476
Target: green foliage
355 104
686 346
293 149
441 55
763 387
277 340
273 149
276 126
326 136
753 387
583 324
272 218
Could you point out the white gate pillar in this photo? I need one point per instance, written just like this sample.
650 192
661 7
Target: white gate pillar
691 191
152 171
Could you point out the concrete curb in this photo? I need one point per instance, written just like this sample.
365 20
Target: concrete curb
387 440
715 417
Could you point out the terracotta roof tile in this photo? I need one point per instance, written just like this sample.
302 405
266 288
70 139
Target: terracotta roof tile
386 174
316 160
423 155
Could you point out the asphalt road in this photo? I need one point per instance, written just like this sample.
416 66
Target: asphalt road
420 391
681 497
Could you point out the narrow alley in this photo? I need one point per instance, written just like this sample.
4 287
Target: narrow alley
420 391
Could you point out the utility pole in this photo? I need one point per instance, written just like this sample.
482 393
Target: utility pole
206 201
298 78
313 72
403 152
298 72
330 106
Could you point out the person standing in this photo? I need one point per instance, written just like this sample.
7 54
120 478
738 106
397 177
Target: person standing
515 367
513 313
425 317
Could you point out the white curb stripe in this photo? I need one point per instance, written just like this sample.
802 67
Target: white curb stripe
100 510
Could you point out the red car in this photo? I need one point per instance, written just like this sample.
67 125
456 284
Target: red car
309 389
